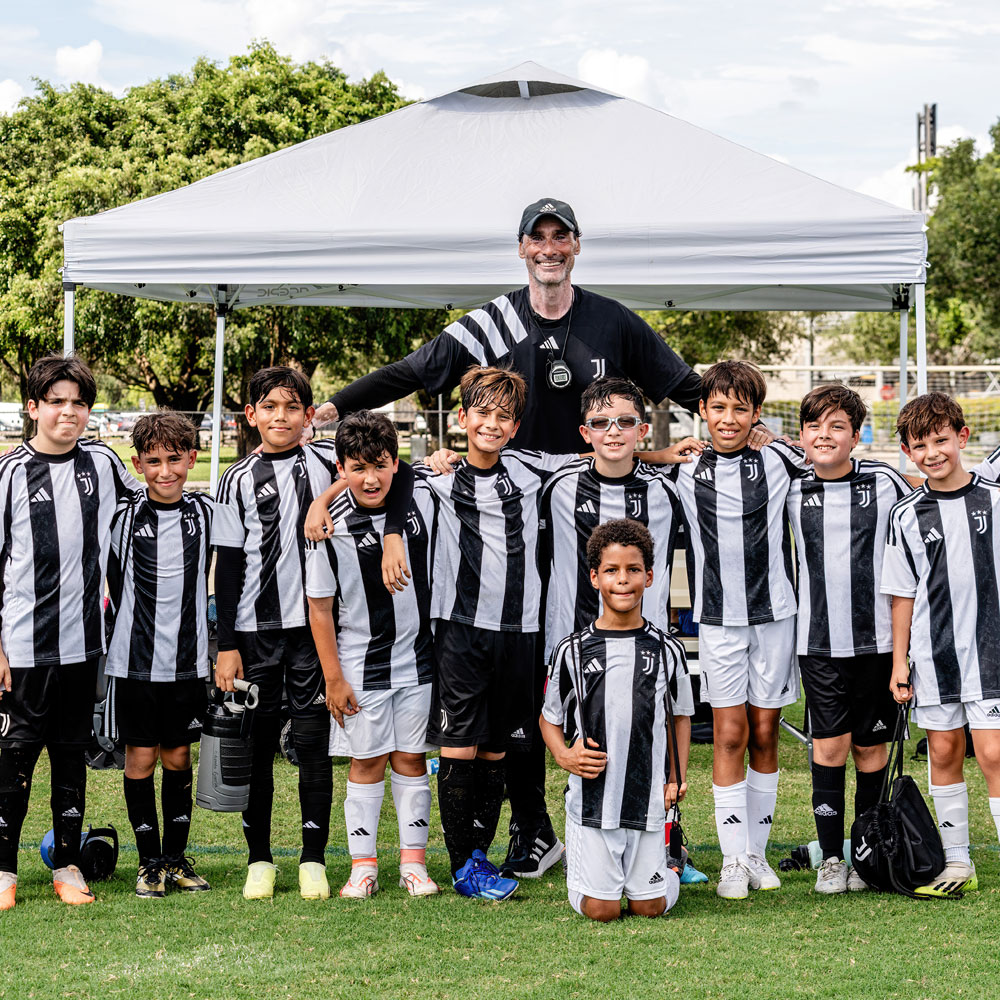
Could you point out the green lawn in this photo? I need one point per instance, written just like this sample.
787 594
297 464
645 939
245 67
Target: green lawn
789 943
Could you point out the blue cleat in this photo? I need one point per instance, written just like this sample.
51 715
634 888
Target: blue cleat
480 878
691 876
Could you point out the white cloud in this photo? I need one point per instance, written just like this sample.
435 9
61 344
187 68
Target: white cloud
10 93
82 64
629 75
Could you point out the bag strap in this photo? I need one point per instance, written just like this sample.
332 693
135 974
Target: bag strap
894 765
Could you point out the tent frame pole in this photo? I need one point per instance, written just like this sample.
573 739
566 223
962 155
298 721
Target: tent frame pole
69 317
921 340
221 309
904 347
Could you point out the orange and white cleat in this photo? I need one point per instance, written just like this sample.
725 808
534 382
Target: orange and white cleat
8 889
362 883
70 886
414 879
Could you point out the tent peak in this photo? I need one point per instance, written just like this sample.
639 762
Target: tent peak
528 79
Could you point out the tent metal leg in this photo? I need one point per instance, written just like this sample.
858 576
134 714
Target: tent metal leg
921 341
904 375
69 300
803 737
220 342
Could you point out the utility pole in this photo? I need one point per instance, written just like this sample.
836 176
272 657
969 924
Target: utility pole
926 148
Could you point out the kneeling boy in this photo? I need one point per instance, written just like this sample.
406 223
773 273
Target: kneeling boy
608 689
378 657
158 653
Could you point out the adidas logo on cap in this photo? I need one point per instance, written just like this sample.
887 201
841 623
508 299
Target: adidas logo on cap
825 810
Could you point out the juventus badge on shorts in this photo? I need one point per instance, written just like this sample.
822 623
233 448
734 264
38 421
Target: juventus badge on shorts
558 374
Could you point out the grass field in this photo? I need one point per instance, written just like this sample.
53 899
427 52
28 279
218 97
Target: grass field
789 943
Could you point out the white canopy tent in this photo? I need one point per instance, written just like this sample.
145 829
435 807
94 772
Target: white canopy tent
419 208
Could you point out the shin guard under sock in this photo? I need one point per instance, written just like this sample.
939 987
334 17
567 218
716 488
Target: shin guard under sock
828 802
457 804
175 800
140 801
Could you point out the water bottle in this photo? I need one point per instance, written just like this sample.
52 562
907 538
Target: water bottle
816 855
433 765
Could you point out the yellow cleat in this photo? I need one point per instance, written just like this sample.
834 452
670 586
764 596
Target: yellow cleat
260 881
955 877
312 881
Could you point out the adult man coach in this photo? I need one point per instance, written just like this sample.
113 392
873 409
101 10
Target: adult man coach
560 338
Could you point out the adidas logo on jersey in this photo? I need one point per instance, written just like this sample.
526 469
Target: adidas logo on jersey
994 712
879 727
310 825
360 832
731 820
267 490
813 501
705 474
593 666
419 823
367 540
41 496
549 344
825 810
146 531
587 507
932 536
71 813
143 828
194 724
655 879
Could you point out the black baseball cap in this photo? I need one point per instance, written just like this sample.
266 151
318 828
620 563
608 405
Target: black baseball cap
547 206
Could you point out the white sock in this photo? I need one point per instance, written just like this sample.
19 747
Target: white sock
731 819
951 804
762 795
412 798
576 901
995 813
361 812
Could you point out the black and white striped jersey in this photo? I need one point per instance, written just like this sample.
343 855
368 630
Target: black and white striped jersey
485 561
989 468
839 527
55 518
943 550
739 552
384 640
158 589
621 681
575 501
261 508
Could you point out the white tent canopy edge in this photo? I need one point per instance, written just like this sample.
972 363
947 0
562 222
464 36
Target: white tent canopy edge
417 209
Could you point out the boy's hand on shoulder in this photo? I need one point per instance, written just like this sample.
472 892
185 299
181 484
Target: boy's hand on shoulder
681 451
319 525
395 573
340 700
760 437
228 667
582 760
672 794
442 460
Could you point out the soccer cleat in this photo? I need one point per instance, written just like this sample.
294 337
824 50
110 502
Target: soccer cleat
181 875
691 876
955 877
260 881
831 877
734 881
414 879
762 875
532 859
480 878
312 881
8 889
855 883
70 886
151 881
362 883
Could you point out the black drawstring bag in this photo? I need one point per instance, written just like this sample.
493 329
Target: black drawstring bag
895 845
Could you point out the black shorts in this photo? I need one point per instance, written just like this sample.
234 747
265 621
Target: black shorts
158 713
53 706
850 694
284 661
483 692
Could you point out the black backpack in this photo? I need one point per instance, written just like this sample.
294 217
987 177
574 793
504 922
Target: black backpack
895 845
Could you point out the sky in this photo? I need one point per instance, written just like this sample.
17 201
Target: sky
830 87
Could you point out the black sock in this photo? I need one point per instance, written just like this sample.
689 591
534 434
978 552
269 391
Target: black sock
175 799
140 800
456 800
524 774
257 815
69 796
17 765
828 808
312 744
488 798
868 789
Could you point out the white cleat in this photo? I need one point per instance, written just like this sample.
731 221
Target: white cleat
734 881
831 877
362 883
762 875
414 879
855 883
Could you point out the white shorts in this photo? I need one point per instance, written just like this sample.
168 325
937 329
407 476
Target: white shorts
957 714
604 864
755 663
387 721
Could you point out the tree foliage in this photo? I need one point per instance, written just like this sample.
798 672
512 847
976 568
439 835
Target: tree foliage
73 152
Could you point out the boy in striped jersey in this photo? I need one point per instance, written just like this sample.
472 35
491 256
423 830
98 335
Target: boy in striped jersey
607 697
840 514
57 497
740 575
158 651
941 568
376 650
